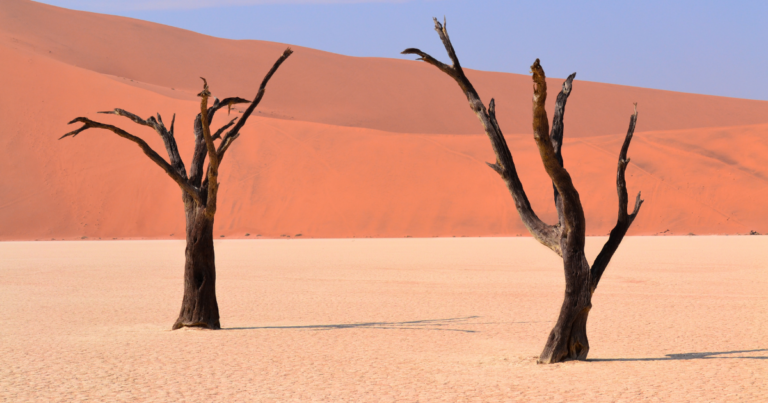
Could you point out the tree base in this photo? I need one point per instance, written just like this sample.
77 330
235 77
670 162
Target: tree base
567 343
199 307
201 325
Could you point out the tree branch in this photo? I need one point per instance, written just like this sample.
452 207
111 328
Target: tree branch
556 136
213 157
573 213
88 124
229 102
121 112
455 70
221 130
625 220
170 145
167 136
234 133
198 155
424 57
200 150
546 234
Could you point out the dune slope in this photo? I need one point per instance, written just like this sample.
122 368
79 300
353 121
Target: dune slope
383 94
338 166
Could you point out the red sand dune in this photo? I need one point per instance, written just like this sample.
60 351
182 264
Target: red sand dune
342 146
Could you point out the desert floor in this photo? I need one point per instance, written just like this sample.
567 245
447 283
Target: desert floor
674 319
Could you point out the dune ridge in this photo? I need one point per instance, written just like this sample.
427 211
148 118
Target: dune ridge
341 146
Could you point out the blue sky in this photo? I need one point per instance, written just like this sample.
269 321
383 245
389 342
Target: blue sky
705 47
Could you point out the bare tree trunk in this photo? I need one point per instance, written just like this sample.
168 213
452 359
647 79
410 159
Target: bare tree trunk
199 307
568 339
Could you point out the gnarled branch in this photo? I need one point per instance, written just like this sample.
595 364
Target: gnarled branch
198 155
234 133
170 145
229 102
213 157
573 213
182 182
165 134
221 130
546 234
625 219
568 339
200 150
556 136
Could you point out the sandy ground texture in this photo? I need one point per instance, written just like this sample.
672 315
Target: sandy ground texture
382 320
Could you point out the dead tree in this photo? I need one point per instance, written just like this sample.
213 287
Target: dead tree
199 307
568 339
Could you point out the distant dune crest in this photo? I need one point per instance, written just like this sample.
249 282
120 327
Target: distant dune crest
343 146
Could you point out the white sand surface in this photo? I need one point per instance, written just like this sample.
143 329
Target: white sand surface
382 320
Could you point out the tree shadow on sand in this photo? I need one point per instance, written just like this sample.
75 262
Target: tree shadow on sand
694 356
449 324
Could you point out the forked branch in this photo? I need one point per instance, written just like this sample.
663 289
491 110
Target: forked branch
572 211
233 133
201 150
165 134
222 129
90 124
455 70
625 219
546 234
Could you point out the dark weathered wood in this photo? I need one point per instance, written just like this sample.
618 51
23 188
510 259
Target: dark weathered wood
165 134
213 156
155 157
198 155
556 136
625 220
560 345
170 145
568 338
199 306
201 150
548 235
234 133
573 214
222 129
228 102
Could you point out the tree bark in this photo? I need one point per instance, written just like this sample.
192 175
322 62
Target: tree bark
568 339
199 307
547 235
